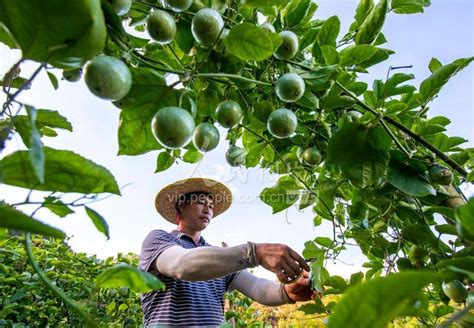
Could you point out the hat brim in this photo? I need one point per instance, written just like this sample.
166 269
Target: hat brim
166 199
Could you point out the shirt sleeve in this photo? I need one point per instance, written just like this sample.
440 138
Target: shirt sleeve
154 244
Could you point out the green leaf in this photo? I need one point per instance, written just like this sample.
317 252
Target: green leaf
7 38
127 275
465 216
164 161
380 56
249 42
372 25
361 306
307 199
148 94
406 179
409 6
64 171
295 12
36 153
354 55
192 156
317 255
54 80
362 11
330 55
64 34
264 3
13 219
433 84
207 101
434 65
361 152
56 206
44 118
184 39
282 195
324 241
391 86
313 308
329 31
99 222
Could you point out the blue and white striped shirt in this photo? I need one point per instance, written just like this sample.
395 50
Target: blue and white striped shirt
183 303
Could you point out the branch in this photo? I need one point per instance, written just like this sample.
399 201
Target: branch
412 134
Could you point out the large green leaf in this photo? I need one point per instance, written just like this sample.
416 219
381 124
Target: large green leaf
433 84
372 25
329 31
409 6
249 42
65 171
375 303
64 34
317 256
148 94
282 195
361 152
13 219
127 275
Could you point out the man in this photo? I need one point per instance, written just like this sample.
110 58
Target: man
197 275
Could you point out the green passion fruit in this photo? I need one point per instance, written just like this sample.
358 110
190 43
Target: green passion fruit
267 27
121 7
455 290
108 77
235 156
206 26
289 46
440 174
173 127
282 123
290 87
206 137
228 113
72 75
311 156
178 5
161 26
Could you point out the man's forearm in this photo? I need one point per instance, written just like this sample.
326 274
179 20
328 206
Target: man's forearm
261 290
203 263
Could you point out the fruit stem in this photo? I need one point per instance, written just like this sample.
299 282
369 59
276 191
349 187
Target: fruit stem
412 134
59 293
232 76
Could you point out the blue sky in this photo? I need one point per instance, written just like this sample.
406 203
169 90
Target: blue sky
445 31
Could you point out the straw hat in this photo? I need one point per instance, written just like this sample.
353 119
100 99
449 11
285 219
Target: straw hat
166 199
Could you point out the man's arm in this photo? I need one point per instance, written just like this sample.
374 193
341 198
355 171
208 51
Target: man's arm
202 263
261 290
205 263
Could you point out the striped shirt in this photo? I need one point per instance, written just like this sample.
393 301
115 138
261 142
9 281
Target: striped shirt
183 303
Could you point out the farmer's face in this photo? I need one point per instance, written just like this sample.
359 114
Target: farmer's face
198 212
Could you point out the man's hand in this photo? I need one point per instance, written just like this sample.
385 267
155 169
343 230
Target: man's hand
281 259
300 290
